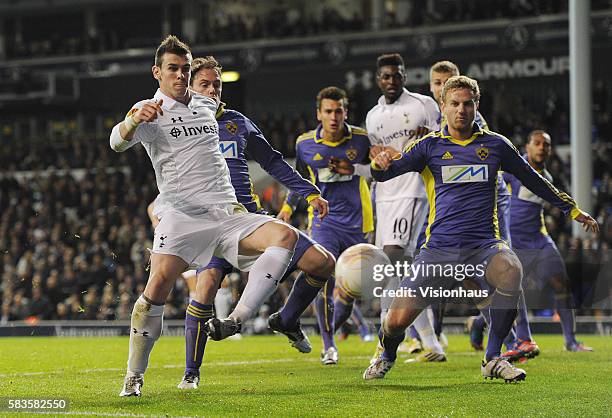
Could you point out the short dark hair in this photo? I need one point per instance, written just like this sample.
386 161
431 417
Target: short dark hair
389 59
171 45
537 132
333 93
209 63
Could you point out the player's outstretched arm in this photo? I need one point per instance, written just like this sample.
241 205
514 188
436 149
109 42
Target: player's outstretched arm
390 163
147 113
123 133
274 164
516 165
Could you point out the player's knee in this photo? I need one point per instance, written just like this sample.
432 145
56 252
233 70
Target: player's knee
394 324
207 285
506 271
284 236
321 263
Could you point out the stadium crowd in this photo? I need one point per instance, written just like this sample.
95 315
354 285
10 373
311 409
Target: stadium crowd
239 21
74 234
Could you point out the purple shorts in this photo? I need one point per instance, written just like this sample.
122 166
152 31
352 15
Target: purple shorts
541 265
439 270
334 240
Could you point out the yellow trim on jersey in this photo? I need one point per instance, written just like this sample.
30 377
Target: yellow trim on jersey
351 130
575 212
287 208
312 197
417 141
305 136
561 195
313 180
430 189
463 142
495 219
367 214
254 195
543 229
220 110
332 143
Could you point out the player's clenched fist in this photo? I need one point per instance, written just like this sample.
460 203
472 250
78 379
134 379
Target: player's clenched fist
383 160
147 113
321 206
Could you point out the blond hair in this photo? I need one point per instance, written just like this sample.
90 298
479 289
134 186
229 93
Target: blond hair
461 82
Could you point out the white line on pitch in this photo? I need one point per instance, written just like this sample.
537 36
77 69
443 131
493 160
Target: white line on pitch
209 364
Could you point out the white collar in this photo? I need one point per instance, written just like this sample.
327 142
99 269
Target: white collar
169 102
382 102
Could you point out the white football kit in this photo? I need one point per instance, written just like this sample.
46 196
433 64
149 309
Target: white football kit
198 211
401 203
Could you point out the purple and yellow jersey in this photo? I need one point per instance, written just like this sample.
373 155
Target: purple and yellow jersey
502 190
350 205
461 178
527 226
239 137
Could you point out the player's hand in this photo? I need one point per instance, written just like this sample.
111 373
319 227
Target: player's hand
375 150
383 160
148 112
321 206
421 131
588 223
341 166
284 216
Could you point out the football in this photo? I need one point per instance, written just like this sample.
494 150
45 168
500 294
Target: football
356 267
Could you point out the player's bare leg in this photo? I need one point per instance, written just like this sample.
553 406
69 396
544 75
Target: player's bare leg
422 323
147 318
317 265
275 242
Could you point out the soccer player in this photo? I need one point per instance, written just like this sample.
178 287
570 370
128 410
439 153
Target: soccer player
459 165
351 216
399 118
439 73
200 213
240 136
535 248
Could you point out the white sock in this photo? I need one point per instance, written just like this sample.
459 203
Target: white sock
145 329
426 332
264 276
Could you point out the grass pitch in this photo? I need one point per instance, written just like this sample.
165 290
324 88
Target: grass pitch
263 376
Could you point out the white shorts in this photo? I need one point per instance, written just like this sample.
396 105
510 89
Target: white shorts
196 239
399 222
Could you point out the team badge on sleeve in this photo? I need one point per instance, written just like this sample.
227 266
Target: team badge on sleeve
232 127
131 112
482 153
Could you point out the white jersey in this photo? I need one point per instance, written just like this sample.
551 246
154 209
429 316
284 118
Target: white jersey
183 145
395 125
